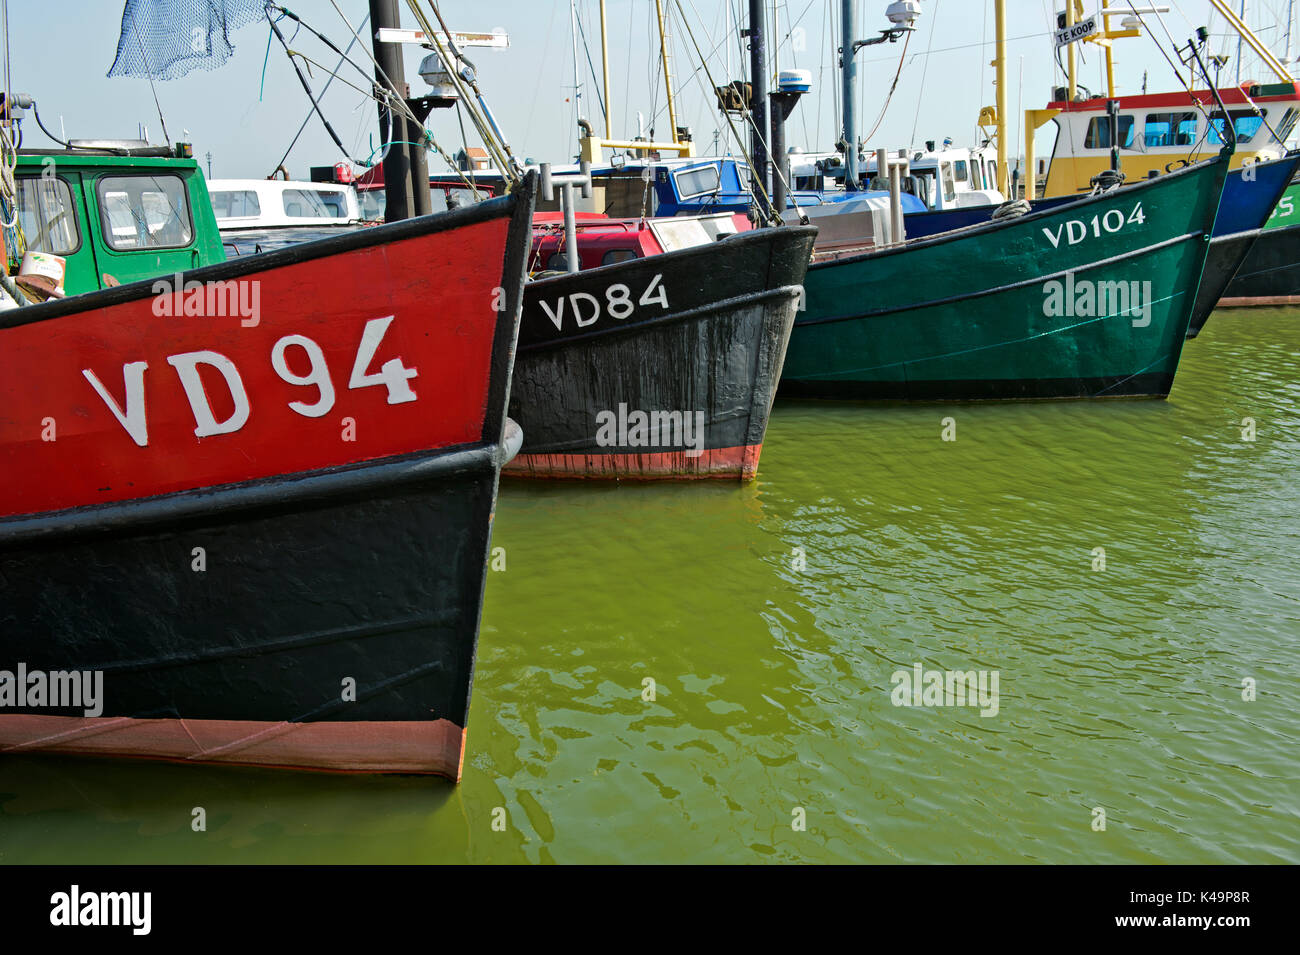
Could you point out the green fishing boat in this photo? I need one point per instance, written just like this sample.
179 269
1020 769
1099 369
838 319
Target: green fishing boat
1090 300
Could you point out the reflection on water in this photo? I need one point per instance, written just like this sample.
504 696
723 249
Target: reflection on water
770 620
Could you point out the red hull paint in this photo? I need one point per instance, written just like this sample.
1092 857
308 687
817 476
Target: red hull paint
1232 96
329 301
435 747
723 463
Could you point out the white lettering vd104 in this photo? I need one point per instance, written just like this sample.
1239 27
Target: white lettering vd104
1075 231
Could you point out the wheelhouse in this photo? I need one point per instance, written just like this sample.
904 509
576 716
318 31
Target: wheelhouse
116 216
1159 132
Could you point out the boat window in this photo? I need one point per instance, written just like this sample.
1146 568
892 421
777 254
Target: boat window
558 262
976 175
315 204
48 214
697 181
1170 129
949 187
993 174
235 203
1287 125
959 170
921 187
1099 133
1244 121
144 212
614 256
372 204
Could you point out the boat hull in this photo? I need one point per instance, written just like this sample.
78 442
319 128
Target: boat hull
681 387
302 591
1224 259
1270 273
1037 307
1250 194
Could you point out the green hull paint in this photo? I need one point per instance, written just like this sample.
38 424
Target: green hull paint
1287 211
1026 308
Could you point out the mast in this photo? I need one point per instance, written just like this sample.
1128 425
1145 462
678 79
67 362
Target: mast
849 76
668 75
577 77
604 65
1290 19
1069 22
1000 16
399 201
758 101
591 145
1243 20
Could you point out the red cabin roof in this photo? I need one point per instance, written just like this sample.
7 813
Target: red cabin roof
1232 96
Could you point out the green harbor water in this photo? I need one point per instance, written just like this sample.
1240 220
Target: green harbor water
1119 689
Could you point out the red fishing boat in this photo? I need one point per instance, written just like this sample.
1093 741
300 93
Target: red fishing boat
259 535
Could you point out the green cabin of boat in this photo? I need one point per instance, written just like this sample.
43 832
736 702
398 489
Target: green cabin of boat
116 218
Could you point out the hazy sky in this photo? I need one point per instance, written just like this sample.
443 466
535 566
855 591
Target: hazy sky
61 52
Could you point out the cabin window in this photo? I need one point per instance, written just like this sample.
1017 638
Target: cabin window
372 204
949 187
697 181
977 175
314 204
959 170
1244 121
1285 128
144 212
993 174
614 256
1170 129
48 214
1099 133
235 203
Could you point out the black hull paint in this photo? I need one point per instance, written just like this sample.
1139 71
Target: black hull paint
717 348
305 584
1222 262
1271 269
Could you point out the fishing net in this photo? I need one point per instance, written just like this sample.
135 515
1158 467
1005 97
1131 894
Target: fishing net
165 39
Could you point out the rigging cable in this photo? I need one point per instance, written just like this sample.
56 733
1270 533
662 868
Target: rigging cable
924 72
135 28
386 97
324 90
892 86
756 184
307 87
36 113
